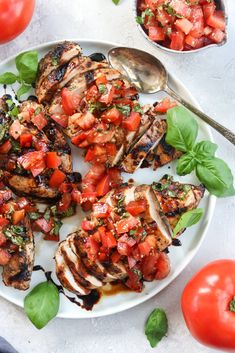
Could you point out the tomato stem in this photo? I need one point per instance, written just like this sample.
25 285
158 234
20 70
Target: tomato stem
232 305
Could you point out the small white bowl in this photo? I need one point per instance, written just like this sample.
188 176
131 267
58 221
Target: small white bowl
223 7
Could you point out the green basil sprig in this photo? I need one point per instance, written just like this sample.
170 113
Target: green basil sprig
42 304
188 219
156 326
27 66
213 172
116 2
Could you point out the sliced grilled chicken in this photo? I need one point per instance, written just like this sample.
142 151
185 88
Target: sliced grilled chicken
59 77
161 155
59 55
176 198
133 160
17 272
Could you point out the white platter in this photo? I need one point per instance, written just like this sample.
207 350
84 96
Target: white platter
179 256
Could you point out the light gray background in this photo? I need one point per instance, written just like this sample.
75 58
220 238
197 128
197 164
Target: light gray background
210 76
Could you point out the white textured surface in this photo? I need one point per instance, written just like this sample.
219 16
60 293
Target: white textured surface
210 76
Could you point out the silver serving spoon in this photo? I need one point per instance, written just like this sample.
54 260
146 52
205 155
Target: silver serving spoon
149 75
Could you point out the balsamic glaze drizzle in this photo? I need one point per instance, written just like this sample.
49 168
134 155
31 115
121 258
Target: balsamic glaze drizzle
88 301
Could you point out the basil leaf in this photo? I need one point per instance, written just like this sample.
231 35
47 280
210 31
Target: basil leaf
8 78
188 219
116 2
27 65
139 20
156 326
215 174
22 90
186 164
42 304
124 109
182 129
205 149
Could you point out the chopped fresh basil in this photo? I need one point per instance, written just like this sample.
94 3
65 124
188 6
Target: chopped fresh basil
124 109
54 61
102 89
34 215
12 108
57 225
38 111
47 214
137 108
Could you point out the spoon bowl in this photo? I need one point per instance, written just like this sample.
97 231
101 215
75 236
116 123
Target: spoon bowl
149 75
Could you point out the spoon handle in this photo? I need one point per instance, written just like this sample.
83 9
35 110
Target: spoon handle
228 134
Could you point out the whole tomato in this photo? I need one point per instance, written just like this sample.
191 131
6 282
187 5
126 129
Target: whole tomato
15 16
208 305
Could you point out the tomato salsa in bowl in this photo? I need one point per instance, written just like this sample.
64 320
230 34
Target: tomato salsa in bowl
182 26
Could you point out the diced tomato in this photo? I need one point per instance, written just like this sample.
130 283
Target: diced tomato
51 237
153 4
92 93
87 225
144 248
134 281
198 22
57 178
4 257
112 115
108 240
39 120
132 122
52 160
43 225
4 221
33 161
101 80
15 129
194 42
163 17
136 207
85 121
115 257
149 266
89 155
184 25
156 33
103 186
88 196
125 225
111 149
217 35
26 140
95 173
115 177
62 120
102 133
41 145
5 195
207 30
93 248
101 210
164 105
5 147
76 196
65 202
180 7
70 101
18 216
107 97
216 20
128 240
123 248
177 40
208 9
163 266
76 140
3 239
24 203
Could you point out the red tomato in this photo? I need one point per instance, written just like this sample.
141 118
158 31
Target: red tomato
134 282
14 18
217 35
132 122
57 178
4 221
208 9
52 237
101 80
156 33
208 305
164 105
163 266
26 140
108 240
18 216
125 225
112 115
43 225
180 7
85 121
123 248
52 160
3 239
184 25
39 120
216 20
65 202
103 186
70 101
62 120
15 129
194 42
87 225
33 161
144 248
5 147
115 177
177 40
76 196
107 97
136 207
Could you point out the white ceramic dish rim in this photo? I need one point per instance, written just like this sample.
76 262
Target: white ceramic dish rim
189 257
155 44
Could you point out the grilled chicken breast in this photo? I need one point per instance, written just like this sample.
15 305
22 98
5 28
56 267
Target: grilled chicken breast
61 54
